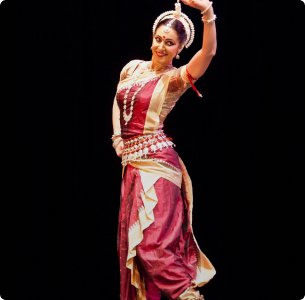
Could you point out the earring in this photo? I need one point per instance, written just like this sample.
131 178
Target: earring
177 56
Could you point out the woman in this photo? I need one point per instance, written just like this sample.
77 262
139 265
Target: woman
157 250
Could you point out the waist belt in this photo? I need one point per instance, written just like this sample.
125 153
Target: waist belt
142 146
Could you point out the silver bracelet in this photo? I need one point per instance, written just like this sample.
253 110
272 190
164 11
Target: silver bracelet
209 20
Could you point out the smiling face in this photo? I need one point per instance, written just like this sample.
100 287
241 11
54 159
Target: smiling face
165 46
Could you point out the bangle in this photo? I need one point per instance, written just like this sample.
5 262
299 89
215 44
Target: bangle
209 20
207 8
117 132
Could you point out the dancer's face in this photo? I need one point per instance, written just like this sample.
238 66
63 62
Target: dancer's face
165 45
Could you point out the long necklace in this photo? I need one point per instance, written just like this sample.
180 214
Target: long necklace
127 117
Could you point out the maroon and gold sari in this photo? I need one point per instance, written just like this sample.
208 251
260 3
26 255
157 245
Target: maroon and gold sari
157 250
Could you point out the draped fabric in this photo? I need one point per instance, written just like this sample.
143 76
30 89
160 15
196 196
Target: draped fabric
157 250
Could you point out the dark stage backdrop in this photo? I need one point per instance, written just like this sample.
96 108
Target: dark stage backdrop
243 144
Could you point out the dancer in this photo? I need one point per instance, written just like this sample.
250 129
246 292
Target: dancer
158 253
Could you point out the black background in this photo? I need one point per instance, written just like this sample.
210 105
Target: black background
243 145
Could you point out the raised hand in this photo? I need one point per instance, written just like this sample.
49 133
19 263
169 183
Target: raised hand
198 4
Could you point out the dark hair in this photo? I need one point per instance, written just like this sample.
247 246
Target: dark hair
178 27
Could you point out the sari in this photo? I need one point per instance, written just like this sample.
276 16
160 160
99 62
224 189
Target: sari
157 250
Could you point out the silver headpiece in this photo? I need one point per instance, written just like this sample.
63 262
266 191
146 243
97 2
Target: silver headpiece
183 18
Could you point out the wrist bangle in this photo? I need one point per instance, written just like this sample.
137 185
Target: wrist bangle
209 20
207 8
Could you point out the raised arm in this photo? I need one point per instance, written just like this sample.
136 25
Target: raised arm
202 58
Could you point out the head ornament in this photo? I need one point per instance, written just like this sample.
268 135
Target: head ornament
183 18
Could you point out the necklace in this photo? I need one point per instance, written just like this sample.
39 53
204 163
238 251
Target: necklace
127 117
146 71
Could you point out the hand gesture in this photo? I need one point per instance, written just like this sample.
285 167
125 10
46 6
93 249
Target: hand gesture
198 4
